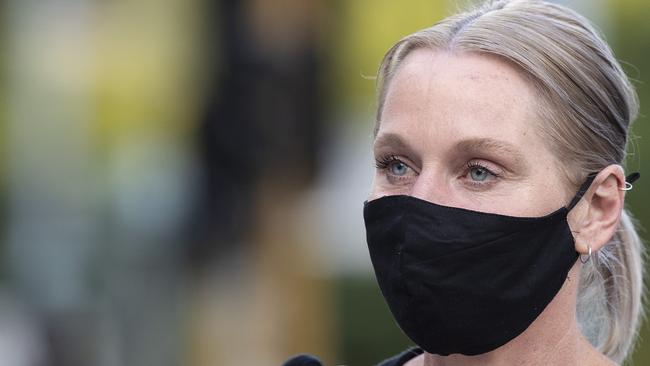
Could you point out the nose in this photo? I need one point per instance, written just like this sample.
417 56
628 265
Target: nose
433 187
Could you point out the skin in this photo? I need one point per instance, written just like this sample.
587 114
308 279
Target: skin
461 130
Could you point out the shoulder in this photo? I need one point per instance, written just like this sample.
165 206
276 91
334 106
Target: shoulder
402 358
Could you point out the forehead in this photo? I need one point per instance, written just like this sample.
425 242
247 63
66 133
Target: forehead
444 96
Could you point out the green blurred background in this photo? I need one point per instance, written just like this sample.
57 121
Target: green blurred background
182 180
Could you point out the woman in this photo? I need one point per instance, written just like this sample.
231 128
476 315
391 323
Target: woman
499 144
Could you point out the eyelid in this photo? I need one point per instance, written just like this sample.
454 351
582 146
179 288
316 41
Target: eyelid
503 154
493 168
494 175
390 158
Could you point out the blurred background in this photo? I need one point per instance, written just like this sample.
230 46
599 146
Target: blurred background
181 181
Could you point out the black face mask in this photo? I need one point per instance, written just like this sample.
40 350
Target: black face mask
461 281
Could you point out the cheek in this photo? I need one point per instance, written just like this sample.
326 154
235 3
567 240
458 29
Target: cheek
554 191
376 190
382 187
539 199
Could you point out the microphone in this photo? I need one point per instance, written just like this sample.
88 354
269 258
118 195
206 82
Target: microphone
303 360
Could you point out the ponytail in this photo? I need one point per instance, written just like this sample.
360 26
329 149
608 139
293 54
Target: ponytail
610 294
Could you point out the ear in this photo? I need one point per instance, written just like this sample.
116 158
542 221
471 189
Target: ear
595 219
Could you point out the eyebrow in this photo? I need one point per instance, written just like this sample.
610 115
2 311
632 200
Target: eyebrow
474 144
391 140
483 144
477 146
396 144
491 146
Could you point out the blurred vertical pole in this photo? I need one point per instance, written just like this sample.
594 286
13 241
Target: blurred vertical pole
148 87
258 298
51 213
100 98
3 143
229 142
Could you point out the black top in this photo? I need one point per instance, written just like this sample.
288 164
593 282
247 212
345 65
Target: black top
402 358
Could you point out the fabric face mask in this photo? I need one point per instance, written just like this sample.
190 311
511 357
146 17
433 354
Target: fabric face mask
461 281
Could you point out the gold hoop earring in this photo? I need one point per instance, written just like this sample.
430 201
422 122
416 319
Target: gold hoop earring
585 260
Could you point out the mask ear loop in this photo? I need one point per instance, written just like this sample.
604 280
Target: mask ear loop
590 178
581 191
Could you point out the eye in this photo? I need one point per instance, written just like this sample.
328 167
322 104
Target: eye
479 173
394 167
397 168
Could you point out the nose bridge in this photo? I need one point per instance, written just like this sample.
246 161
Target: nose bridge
431 186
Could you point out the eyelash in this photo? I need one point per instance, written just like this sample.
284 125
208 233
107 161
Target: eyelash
384 161
383 164
474 164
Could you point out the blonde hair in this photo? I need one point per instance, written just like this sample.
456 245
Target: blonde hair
587 105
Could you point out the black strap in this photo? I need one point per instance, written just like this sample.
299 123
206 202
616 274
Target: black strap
581 191
633 177
590 178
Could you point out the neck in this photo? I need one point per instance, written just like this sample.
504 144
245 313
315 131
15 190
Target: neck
554 338
524 350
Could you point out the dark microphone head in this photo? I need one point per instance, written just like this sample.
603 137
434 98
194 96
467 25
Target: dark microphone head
303 360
